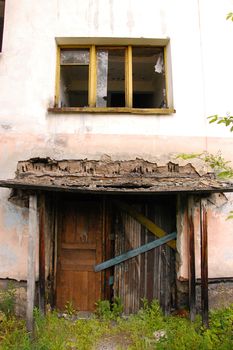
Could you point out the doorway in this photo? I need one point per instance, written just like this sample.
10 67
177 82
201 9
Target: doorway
95 228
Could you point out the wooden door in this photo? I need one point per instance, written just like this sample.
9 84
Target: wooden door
79 249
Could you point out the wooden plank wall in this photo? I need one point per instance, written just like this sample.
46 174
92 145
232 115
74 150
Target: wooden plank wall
150 275
127 275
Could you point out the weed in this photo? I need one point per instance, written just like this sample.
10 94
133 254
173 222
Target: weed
103 310
148 329
7 300
69 308
13 334
106 311
117 307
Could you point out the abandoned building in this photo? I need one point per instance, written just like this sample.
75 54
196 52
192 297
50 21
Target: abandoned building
97 100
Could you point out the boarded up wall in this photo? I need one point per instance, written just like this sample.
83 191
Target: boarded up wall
150 275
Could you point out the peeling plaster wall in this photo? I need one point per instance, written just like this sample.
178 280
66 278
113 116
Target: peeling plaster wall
202 85
220 238
13 239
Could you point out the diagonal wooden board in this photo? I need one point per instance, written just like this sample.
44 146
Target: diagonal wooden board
143 220
134 252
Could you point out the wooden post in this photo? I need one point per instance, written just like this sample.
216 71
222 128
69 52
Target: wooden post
31 277
42 255
192 271
204 264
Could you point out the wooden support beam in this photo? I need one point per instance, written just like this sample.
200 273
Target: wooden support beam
192 272
204 264
147 223
42 254
132 253
32 243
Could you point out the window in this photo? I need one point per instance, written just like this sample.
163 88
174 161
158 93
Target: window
112 78
2 7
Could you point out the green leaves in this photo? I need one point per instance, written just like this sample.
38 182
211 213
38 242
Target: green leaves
213 118
215 161
227 120
230 215
186 156
228 174
229 16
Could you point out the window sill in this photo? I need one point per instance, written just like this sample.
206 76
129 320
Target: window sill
112 110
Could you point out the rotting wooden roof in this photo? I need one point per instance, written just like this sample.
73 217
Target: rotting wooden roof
95 176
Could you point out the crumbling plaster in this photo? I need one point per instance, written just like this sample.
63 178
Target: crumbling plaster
122 147
27 72
220 238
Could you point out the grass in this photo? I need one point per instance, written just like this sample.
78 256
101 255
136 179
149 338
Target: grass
148 329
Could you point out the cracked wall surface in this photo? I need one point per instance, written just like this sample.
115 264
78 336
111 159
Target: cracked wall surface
27 130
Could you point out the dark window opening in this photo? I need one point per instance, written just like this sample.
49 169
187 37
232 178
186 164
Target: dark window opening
149 78
117 99
2 8
110 78
74 76
102 77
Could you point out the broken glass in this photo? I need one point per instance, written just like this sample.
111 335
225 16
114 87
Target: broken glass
110 77
102 78
79 56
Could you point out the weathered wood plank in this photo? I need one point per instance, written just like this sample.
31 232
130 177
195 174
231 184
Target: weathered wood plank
135 252
79 222
192 272
204 264
31 275
42 254
147 223
75 246
163 111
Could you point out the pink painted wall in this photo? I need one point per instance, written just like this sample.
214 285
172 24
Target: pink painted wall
201 86
14 219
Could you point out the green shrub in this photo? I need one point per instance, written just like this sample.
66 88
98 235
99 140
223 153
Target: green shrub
117 307
103 310
148 329
7 300
107 311
69 308
54 333
13 334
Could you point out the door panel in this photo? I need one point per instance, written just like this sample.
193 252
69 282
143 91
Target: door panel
79 249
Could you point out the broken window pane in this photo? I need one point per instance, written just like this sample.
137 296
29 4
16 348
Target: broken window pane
148 78
102 78
74 75
79 56
110 78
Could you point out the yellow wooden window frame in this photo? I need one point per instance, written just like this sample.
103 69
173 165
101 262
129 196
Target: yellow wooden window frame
92 85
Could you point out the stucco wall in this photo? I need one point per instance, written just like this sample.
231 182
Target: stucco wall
201 62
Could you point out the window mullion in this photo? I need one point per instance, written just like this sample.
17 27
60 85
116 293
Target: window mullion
57 83
92 78
166 77
128 77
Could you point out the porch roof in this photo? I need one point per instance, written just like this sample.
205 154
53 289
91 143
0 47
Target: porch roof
107 176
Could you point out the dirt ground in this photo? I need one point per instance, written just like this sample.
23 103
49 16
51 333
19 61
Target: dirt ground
113 342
